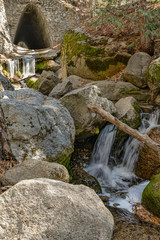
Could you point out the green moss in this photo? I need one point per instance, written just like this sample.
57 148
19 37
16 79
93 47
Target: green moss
151 195
131 92
33 83
74 44
41 66
137 107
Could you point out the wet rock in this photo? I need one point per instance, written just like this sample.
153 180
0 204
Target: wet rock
48 209
68 84
113 90
148 162
5 84
79 176
88 57
151 195
128 111
31 169
153 72
135 72
87 123
38 127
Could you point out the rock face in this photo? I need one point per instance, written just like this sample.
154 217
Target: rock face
47 209
6 84
148 162
31 169
151 195
115 90
87 57
128 111
153 79
86 122
136 69
5 41
38 127
67 85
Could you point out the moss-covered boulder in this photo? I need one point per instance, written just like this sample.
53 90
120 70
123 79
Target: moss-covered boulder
33 82
151 195
85 56
49 65
148 162
153 76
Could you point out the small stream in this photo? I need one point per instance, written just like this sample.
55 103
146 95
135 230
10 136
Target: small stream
117 177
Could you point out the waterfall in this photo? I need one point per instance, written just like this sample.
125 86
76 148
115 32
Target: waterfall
118 178
28 67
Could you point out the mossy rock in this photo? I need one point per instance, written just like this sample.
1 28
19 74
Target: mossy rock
83 56
153 76
33 83
151 195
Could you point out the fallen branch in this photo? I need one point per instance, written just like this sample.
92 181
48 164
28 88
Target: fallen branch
144 138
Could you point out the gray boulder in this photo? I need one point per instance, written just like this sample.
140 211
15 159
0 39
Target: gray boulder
48 80
52 210
128 111
38 127
67 85
31 169
114 90
137 66
86 122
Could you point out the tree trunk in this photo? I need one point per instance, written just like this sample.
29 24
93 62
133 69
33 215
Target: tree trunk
144 138
6 46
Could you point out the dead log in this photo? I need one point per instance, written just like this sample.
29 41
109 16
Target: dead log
144 138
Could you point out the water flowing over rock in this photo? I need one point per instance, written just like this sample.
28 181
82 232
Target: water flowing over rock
136 69
47 209
86 122
38 127
31 169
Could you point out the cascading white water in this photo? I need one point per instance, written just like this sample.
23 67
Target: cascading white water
119 177
28 67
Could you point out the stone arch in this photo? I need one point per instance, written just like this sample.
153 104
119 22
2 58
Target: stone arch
32 29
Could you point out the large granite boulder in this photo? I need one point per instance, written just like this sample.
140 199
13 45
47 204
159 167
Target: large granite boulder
114 90
38 127
137 66
67 85
51 210
153 73
86 56
86 122
31 169
151 195
148 162
128 111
